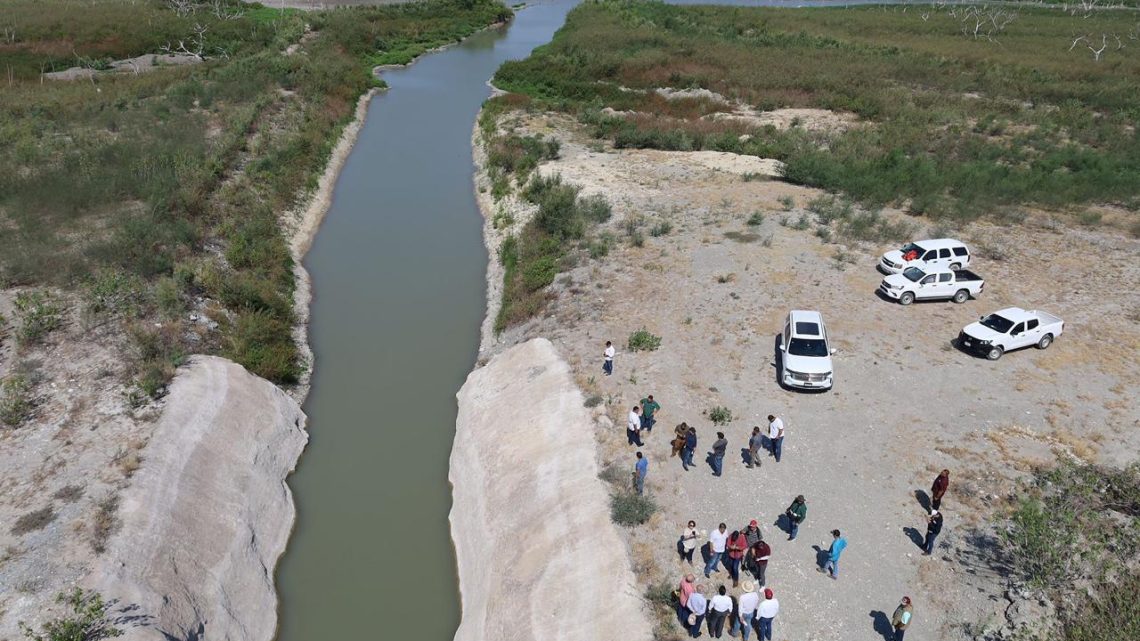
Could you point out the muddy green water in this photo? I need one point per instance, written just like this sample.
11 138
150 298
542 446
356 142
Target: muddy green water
398 271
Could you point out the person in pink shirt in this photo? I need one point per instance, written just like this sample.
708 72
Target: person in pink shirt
684 591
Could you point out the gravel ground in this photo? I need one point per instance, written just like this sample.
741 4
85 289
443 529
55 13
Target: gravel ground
906 402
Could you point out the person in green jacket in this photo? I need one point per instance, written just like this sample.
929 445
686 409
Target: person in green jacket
648 407
796 514
901 618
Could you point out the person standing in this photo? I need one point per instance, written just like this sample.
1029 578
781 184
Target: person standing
752 533
689 448
648 407
718 541
933 528
838 544
776 435
796 513
698 606
745 611
688 542
720 606
735 549
683 592
938 490
766 614
608 358
633 427
760 552
755 444
720 446
900 620
640 471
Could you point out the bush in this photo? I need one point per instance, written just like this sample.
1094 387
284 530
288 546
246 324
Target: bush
755 220
594 401
264 345
661 229
720 415
642 340
15 401
87 621
39 315
629 509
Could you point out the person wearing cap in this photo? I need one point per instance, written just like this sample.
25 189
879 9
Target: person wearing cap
752 533
720 606
745 610
796 514
736 547
838 544
684 591
755 444
765 614
938 490
758 554
648 407
698 606
901 618
933 528
718 541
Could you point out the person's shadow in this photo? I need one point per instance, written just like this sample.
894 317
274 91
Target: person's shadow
745 456
923 499
915 536
883 624
821 556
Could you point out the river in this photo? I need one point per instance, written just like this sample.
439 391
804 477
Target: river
398 270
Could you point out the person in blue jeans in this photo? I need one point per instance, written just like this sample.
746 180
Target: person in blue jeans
718 541
838 544
720 446
796 513
690 447
640 470
776 436
698 606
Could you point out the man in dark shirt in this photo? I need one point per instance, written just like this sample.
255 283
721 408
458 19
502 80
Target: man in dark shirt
758 555
933 528
690 447
720 446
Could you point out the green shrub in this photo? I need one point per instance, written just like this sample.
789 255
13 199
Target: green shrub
629 509
264 345
643 340
663 228
594 401
755 220
39 315
661 594
720 415
788 202
16 403
87 620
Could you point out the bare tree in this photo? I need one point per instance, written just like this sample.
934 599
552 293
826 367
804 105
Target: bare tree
197 44
182 7
223 12
1090 42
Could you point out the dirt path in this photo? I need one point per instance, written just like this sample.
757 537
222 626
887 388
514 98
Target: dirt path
906 403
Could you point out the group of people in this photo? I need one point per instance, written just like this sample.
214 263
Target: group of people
745 550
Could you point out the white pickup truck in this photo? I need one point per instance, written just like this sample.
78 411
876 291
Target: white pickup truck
1009 329
931 284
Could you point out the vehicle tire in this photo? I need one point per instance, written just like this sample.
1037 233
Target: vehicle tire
906 298
1045 341
995 353
961 296
955 267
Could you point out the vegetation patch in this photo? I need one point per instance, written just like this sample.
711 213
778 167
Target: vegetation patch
720 415
643 340
86 620
630 509
953 123
33 521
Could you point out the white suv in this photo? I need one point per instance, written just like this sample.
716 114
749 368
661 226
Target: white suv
805 354
941 253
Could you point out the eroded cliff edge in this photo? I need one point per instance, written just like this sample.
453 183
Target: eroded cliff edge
206 519
538 556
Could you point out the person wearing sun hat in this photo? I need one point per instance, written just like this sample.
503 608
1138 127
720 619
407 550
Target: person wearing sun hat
900 620
765 614
745 610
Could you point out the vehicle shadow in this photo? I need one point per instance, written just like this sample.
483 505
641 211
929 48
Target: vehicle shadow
958 346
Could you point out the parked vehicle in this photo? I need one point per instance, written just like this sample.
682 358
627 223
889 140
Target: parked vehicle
918 284
1009 329
805 352
945 253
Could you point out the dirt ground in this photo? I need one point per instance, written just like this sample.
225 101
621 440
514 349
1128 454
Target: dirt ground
906 403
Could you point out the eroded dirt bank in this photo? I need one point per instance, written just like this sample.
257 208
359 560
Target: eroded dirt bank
538 556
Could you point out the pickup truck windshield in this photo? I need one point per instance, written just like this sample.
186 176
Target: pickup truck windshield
997 323
808 347
914 274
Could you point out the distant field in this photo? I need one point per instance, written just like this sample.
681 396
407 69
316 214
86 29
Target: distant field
965 111
149 193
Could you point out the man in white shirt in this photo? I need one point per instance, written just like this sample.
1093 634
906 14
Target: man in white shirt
718 540
765 614
608 356
720 606
697 606
746 610
775 436
633 426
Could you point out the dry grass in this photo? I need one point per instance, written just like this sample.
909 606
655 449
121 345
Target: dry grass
32 521
104 522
